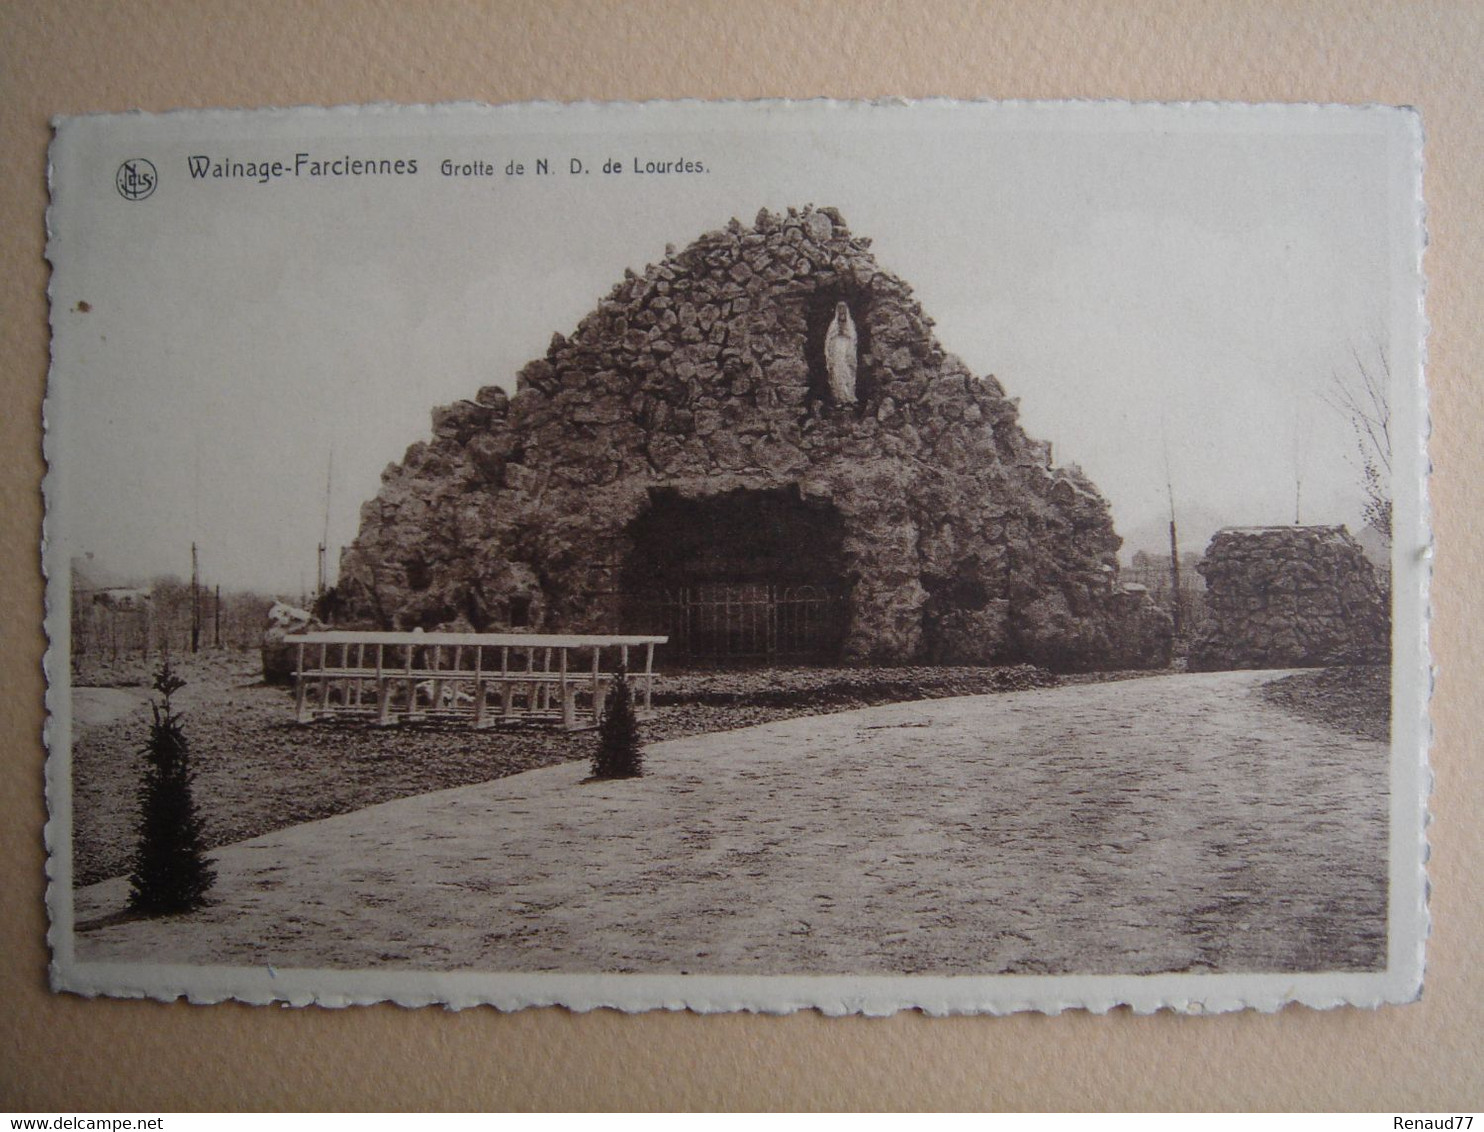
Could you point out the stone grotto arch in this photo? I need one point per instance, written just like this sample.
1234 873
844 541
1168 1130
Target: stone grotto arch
682 437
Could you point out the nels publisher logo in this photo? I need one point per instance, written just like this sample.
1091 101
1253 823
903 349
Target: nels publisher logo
136 178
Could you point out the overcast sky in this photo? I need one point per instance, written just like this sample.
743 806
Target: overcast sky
1142 279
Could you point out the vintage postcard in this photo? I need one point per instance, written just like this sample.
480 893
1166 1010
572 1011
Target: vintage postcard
754 556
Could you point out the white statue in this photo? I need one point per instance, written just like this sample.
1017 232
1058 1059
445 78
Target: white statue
840 356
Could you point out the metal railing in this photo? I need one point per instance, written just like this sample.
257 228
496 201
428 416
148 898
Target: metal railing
745 621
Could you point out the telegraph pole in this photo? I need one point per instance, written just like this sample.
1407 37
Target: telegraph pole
324 545
1175 571
195 601
322 564
1174 544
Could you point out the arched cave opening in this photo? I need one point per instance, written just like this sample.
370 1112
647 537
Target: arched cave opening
819 312
748 576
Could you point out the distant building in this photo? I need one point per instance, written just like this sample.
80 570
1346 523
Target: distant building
109 618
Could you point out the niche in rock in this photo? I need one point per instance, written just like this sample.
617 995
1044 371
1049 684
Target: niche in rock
519 612
819 313
746 575
765 535
419 576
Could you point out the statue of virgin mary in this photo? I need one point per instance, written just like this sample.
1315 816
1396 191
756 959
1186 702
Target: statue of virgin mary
840 356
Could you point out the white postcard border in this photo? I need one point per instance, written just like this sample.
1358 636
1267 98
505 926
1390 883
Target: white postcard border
832 995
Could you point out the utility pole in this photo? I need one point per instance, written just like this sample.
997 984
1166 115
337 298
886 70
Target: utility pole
1298 480
322 582
195 601
1175 571
1174 545
216 610
1300 457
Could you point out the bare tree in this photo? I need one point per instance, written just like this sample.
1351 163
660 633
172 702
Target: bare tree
1363 397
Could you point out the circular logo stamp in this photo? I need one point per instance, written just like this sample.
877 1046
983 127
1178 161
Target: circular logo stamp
136 178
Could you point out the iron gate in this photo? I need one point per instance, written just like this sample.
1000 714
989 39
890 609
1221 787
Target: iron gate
746 621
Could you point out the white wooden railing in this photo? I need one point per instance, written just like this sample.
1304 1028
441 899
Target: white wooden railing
489 679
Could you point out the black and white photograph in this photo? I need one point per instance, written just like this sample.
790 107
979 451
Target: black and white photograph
968 557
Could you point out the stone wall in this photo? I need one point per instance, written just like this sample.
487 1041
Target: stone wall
1290 597
704 375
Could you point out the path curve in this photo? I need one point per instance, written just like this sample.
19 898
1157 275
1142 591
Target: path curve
1163 824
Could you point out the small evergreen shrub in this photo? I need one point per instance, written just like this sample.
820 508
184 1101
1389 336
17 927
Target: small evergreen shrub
620 748
171 872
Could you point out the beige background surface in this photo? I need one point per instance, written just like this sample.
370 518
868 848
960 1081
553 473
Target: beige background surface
66 1053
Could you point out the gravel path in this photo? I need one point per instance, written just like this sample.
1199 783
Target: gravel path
257 771
1177 823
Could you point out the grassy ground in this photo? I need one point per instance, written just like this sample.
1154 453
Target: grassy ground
257 771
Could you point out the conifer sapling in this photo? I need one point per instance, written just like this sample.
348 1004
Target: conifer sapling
171 872
620 748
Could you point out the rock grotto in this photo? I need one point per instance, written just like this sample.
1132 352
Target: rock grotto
1290 597
758 447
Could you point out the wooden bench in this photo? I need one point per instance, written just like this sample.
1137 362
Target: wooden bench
487 679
